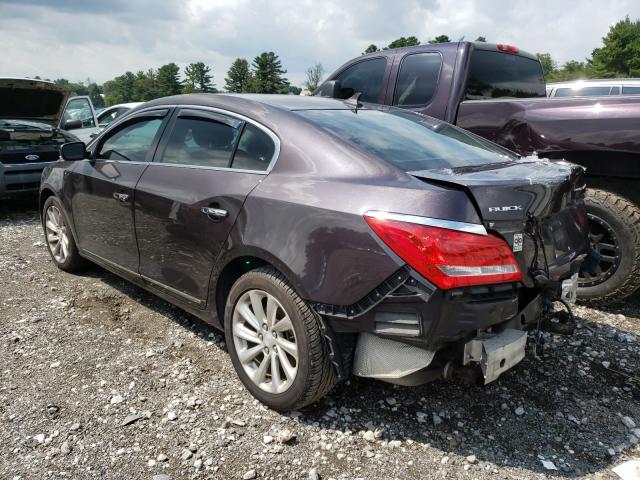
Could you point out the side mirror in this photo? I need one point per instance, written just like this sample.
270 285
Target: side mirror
72 125
331 88
73 151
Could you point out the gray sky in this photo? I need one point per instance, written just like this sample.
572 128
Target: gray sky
76 39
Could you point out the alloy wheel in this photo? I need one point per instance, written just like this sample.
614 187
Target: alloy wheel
265 341
57 235
605 242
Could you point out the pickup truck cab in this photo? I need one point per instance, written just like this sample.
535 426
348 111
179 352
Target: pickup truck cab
498 92
36 118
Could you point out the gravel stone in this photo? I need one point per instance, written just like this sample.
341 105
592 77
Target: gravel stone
249 475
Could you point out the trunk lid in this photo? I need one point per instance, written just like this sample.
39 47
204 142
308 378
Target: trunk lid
33 100
535 205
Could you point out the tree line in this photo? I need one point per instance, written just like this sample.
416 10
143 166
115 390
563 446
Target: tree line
619 56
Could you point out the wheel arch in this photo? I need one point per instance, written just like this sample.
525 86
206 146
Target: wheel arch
236 264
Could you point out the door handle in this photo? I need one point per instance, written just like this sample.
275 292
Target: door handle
214 212
122 197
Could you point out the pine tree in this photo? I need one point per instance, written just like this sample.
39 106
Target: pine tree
239 77
198 78
268 74
168 80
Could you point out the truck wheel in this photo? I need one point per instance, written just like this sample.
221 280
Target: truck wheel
275 342
614 226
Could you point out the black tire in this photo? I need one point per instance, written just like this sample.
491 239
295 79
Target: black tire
618 219
315 375
73 262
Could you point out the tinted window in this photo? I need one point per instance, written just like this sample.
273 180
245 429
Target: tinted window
364 77
202 142
79 109
630 90
131 142
255 150
417 80
583 91
495 75
407 140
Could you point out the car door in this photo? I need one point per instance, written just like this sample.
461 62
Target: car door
102 189
79 113
189 197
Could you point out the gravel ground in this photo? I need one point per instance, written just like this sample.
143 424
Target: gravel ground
100 379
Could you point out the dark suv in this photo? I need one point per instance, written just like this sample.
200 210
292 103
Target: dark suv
325 237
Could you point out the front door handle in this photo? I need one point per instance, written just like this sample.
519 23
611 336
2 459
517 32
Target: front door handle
214 212
122 197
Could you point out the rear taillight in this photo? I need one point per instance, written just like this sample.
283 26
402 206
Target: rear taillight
448 258
507 48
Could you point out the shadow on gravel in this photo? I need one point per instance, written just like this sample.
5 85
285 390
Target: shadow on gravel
18 208
572 404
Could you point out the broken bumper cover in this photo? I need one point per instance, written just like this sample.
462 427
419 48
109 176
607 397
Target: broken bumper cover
496 353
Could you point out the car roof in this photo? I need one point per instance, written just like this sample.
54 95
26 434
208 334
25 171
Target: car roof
596 82
282 102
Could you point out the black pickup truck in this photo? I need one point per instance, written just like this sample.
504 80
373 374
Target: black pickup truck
498 92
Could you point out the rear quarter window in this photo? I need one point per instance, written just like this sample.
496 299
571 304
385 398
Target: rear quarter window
498 75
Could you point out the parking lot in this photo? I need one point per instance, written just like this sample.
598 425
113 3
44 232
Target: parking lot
100 379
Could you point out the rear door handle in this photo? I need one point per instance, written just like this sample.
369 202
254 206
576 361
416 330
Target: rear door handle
121 197
214 212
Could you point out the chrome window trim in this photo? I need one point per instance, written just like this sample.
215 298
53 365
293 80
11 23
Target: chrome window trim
474 228
270 134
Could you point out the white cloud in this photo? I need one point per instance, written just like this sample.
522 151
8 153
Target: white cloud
77 39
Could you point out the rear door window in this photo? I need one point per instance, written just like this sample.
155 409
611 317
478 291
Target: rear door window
365 77
630 90
417 79
202 139
497 75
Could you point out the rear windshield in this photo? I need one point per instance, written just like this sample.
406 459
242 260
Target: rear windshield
496 75
408 140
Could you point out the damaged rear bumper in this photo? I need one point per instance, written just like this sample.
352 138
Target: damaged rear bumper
416 333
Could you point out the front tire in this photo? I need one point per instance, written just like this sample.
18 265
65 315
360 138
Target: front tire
275 342
614 225
59 238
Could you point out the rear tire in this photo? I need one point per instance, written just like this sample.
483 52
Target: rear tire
615 230
256 328
59 238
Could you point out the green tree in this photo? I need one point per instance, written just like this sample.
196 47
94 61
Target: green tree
72 88
620 54
168 80
95 94
370 49
481 39
198 78
549 65
145 86
440 39
239 77
120 90
268 74
404 42
314 76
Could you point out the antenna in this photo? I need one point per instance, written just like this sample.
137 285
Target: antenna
354 101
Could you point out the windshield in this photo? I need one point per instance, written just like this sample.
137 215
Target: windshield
408 140
12 124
